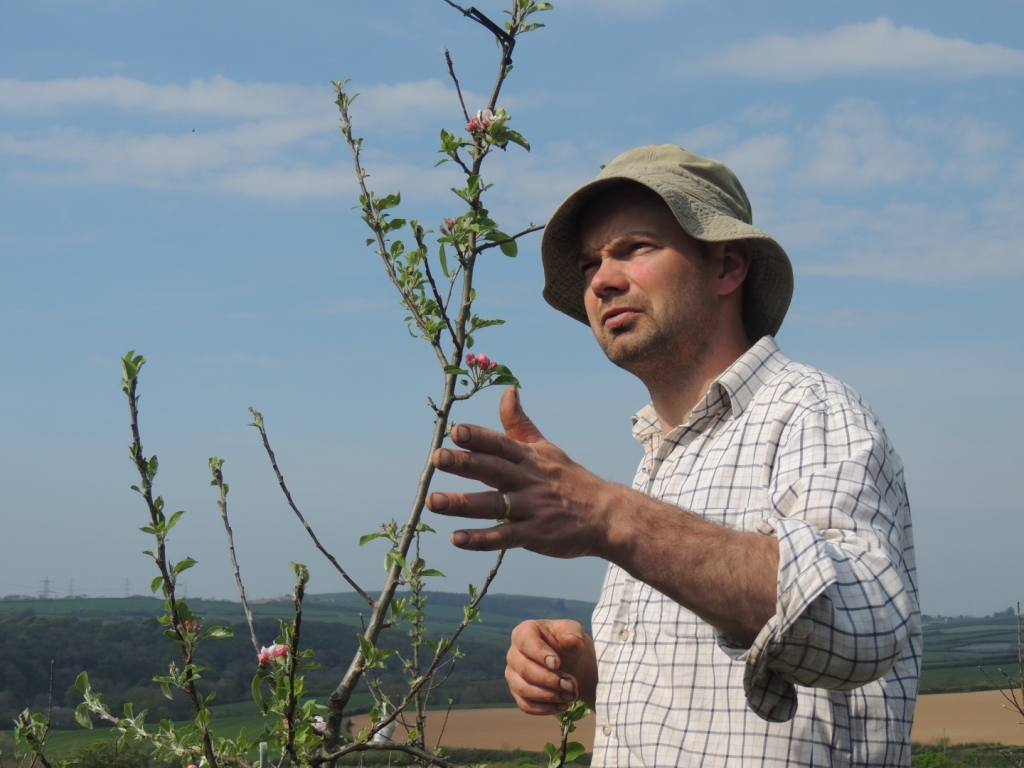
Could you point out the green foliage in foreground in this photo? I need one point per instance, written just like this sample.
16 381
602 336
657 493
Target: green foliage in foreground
961 755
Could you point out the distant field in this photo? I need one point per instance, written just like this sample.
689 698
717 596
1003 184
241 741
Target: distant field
955 649
501 613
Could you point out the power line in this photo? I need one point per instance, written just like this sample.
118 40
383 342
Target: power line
46 588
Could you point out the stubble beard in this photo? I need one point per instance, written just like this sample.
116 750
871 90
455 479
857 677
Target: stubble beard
662 354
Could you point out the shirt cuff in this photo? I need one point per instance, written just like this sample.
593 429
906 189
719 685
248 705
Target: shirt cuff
806 570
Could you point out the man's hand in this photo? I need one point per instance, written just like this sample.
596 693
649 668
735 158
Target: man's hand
550 664
558 508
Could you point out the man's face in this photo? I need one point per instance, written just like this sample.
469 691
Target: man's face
649 289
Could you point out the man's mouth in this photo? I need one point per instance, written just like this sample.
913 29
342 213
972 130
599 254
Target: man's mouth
618 317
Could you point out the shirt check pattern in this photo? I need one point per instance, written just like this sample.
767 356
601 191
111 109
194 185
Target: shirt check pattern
786 450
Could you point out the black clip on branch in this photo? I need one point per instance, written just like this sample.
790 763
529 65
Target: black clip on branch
507 41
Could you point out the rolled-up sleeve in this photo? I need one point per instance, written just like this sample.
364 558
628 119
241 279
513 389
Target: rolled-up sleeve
844 609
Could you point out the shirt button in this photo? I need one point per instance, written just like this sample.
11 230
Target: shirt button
606 730
623 634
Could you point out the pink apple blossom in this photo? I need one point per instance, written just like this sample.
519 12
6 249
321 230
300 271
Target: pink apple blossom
471 359
492 366
483 118
275 651
483 361
319 724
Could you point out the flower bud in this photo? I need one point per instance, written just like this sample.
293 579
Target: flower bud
483 361
471 359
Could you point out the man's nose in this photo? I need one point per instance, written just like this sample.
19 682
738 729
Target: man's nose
609 279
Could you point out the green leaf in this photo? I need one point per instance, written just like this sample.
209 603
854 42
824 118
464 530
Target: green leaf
82 681
432 572
395 555
184 565
510 249
456 370
173 520
257 693
301 572
82 715
365 646
390 201
443 258
369 537
218 633
423 527
165 685
573 750
156 584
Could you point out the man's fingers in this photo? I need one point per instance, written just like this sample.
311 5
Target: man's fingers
489 505
491 470
482 440
517 424
487 539
523 690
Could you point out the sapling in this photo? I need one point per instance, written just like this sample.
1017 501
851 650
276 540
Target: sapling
435 284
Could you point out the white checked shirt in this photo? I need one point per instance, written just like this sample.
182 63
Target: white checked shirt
786 450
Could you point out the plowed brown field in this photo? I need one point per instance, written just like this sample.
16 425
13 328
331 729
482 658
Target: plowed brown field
494 729
967 717
960 717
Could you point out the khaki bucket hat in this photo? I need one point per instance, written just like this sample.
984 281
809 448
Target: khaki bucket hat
709 203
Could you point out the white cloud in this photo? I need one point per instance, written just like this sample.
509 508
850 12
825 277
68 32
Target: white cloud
915 243
975 149
398 104
878 47
216 97
266 144
855 148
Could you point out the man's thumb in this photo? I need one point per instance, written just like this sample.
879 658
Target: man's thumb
515 421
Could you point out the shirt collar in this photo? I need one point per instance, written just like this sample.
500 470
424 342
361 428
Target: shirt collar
733 389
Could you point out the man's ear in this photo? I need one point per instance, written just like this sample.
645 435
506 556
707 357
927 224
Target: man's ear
733 265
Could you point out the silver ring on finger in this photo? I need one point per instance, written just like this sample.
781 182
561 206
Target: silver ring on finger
508 505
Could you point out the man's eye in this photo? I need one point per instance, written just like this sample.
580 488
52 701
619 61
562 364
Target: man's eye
586 266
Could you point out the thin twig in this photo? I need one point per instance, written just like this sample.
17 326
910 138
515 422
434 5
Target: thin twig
451 285
293 663
158 521
458 90
510 239
443 648
374 222
444 724
418 234
218 480
382 747
258 423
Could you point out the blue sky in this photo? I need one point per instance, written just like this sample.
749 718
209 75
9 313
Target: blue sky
172 180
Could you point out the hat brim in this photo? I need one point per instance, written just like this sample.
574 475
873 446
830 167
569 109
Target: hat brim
768 287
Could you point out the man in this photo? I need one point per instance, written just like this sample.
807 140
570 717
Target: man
760 605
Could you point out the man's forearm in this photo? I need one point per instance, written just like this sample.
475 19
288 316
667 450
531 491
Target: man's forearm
726 577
